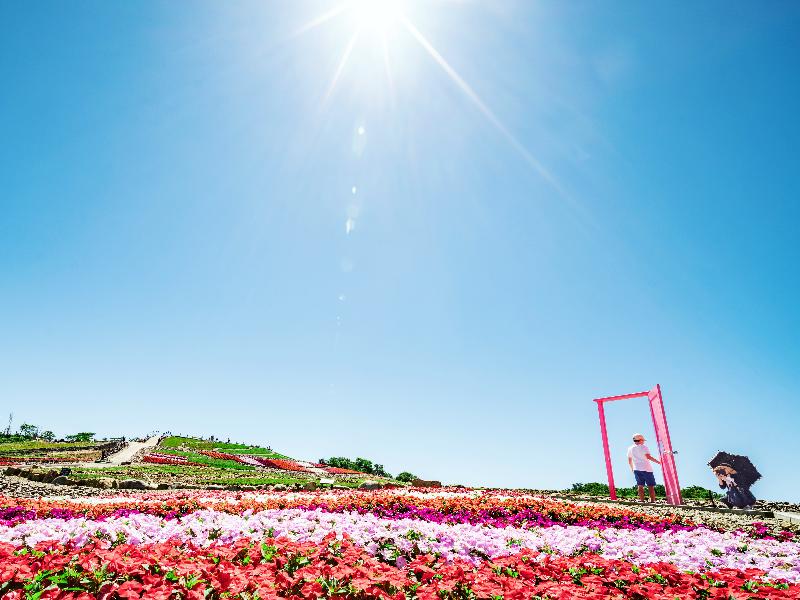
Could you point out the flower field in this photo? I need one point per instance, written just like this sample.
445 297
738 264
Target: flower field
399 543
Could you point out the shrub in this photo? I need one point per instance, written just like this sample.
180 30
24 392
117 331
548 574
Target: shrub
83 436
695 492
698 492
362 465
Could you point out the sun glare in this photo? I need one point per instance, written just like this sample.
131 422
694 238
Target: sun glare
376 15
375 22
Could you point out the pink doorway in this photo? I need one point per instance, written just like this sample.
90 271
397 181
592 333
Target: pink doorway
666 453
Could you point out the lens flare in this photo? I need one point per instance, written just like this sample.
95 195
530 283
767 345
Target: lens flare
376 15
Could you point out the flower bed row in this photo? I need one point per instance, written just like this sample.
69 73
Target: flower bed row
339 470
337 568
273 463
282 464
169 459
496 509
402 540
259 461
487 508
219 455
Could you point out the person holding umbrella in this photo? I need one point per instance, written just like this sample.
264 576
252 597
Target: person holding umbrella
735 474
639 459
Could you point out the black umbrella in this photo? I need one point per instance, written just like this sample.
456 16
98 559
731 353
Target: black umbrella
746 473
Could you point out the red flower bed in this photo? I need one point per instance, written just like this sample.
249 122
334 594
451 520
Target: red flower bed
168 459
279 568
219 455
283 464
340 471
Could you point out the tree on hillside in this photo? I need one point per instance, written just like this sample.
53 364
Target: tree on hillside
47 436
406 477
362 465
83 436
29 431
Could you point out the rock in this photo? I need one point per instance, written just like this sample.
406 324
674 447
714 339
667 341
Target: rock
106 483
426 484
279 487
61 480
133 484
162 486
13 471
370 485
310 486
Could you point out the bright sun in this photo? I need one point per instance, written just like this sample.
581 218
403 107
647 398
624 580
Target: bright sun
376 18
376 15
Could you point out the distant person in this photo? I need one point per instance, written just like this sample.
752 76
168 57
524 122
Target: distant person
639 459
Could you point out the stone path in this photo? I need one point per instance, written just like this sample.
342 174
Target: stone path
130 450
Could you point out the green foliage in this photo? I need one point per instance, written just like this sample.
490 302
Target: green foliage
29 431
83 436
362 465
698 492
47 436
198 444
198 475
15 443
601 489
406 477
14 438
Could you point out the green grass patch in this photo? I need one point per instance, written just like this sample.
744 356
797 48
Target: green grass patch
6 448
196 444
176 474
202 459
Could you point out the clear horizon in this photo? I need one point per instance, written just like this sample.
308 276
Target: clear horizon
431 244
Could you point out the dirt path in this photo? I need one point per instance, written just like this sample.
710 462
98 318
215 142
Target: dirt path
130 450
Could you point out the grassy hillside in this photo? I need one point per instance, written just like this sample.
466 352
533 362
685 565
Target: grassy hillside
187 443
182 461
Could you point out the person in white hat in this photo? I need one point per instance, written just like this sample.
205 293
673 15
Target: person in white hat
639 459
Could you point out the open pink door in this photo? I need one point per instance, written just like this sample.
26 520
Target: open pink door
667 458
666 455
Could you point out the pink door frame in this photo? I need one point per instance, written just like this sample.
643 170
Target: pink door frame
655 401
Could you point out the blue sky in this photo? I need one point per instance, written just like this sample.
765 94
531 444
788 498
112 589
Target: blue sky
436 265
